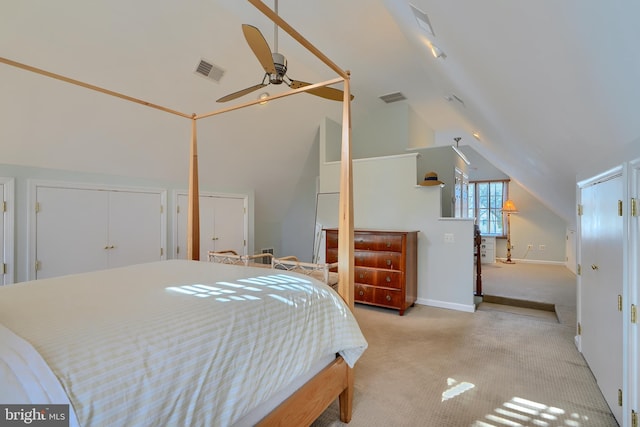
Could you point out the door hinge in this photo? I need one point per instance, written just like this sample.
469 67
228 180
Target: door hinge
580 210
634 314
4 206
178 250
161 251
177 209
579 329
4 268
161 209
619 302
619 397
579 269
634 418
634 207
37 207
38 265
619 207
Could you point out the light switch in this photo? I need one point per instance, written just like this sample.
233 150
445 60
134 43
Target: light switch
449 238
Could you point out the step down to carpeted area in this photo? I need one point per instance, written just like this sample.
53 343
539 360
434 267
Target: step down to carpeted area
544 306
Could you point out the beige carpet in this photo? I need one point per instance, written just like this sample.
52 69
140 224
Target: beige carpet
440 368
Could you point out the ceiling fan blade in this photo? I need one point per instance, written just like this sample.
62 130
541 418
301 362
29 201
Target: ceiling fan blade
324 92
260 47
240 93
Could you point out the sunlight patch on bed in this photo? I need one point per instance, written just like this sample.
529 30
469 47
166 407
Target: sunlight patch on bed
229 291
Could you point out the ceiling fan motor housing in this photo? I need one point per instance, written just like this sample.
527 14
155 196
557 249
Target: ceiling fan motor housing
280 63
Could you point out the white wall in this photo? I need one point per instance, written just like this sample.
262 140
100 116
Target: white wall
537 225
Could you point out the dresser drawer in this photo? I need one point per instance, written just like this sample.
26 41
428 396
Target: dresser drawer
388 260
332 239
378 242
379 277
388 297
363 293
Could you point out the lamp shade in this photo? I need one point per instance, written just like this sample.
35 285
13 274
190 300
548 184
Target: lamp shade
509 207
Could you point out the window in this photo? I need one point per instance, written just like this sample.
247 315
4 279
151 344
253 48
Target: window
485 200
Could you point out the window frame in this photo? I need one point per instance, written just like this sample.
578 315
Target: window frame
474 208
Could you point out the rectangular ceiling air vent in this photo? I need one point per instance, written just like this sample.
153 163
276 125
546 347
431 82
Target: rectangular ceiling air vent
209 70
423 20
454 97
393 97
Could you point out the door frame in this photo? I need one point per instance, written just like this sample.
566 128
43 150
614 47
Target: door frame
623 172
32 192
634 286
174 213
8 195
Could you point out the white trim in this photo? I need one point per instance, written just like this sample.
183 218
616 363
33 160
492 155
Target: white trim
32 192
448 305
533 261
375 159
8 185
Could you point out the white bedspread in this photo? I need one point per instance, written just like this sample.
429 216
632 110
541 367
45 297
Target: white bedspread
172 342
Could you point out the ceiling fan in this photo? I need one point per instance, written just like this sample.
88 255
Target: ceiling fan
275 67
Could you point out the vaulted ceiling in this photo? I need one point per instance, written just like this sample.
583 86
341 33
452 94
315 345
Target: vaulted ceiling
550 87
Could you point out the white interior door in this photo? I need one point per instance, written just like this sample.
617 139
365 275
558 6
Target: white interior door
3 242
229 224
223 222
207 226
71 231
601 283
134 228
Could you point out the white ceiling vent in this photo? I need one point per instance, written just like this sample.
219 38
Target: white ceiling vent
456 98
393 97
209 70
422 19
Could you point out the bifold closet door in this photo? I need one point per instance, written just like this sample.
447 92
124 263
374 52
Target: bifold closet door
70 231
601 256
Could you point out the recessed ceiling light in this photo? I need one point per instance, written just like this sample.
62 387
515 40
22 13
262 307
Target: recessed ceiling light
437 52
263 95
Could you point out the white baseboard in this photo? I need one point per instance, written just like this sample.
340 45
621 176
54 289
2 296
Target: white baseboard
532 261
471 308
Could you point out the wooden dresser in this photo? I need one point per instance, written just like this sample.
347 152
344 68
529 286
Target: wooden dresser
385 266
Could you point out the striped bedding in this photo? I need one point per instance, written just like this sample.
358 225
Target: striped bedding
180 343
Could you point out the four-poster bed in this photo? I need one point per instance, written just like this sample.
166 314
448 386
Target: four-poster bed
336 379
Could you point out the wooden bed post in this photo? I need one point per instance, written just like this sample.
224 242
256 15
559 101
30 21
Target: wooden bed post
345 236
193 216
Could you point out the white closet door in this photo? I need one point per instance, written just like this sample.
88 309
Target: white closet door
134 228
2 237
70 231
222 224
601 283
229 224
207 226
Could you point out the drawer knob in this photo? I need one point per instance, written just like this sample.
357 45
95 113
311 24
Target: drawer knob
361 276
388 244
361 293
388 297
388 262
388 279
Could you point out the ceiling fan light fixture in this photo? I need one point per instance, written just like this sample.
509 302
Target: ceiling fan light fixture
263 96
